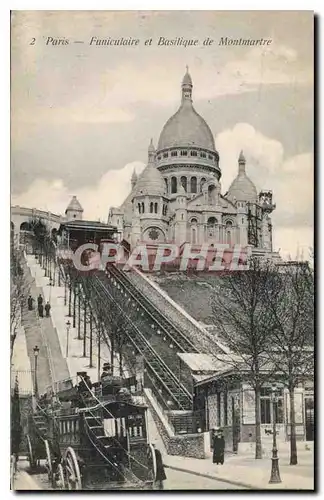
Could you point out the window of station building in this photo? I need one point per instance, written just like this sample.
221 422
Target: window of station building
193 153
202 154
174 153
267 406
165 155
184 153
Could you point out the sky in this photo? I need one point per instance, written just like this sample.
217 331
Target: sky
82 115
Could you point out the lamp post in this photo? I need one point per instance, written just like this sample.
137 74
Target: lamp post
36 352
68 324
275 474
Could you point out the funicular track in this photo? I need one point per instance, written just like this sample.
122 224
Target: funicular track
174 334
165 377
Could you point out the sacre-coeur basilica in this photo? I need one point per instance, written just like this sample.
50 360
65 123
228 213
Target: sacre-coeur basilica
178 197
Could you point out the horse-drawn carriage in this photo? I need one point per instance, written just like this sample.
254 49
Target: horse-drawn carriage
93 438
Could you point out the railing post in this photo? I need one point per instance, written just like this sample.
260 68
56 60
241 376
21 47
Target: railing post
70 296
90 350
74 303
79 312
85 328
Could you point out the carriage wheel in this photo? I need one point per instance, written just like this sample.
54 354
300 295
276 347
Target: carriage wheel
151 462
72 469
60 480
48 465
31 458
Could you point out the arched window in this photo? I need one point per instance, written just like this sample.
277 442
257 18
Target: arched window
211 226
151 207
194 235
166 185
25 226
139 208
202 182
193 153
184 182
155 208
193 185
174 153
173 184
143 207
228 237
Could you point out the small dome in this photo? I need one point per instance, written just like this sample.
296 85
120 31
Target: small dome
150 182
242 189
74 205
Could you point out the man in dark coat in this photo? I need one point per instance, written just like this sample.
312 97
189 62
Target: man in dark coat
39 300
41 310
160 472
218 447
47 309
30 301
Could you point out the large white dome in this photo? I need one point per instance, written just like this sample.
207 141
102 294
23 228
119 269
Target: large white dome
186 127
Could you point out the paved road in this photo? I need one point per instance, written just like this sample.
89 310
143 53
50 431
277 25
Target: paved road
175 481
186 481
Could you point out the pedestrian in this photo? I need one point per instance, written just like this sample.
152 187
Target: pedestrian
39 300
40 310
30 301
47 309
218 447
160 472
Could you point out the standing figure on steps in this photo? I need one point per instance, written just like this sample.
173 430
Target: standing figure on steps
40 310
47 309
39 300
30 301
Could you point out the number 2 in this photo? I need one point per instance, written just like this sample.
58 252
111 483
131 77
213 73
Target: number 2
33 41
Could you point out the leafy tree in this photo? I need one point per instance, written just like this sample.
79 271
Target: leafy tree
291 305
243 321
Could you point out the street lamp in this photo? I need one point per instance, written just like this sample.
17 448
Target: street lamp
275 474
36 352
68 324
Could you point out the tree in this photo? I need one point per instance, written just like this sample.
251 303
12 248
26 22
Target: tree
243 322
15 420
114 323
19 291
291 305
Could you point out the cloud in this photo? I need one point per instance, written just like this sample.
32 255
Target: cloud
54 196
290 179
